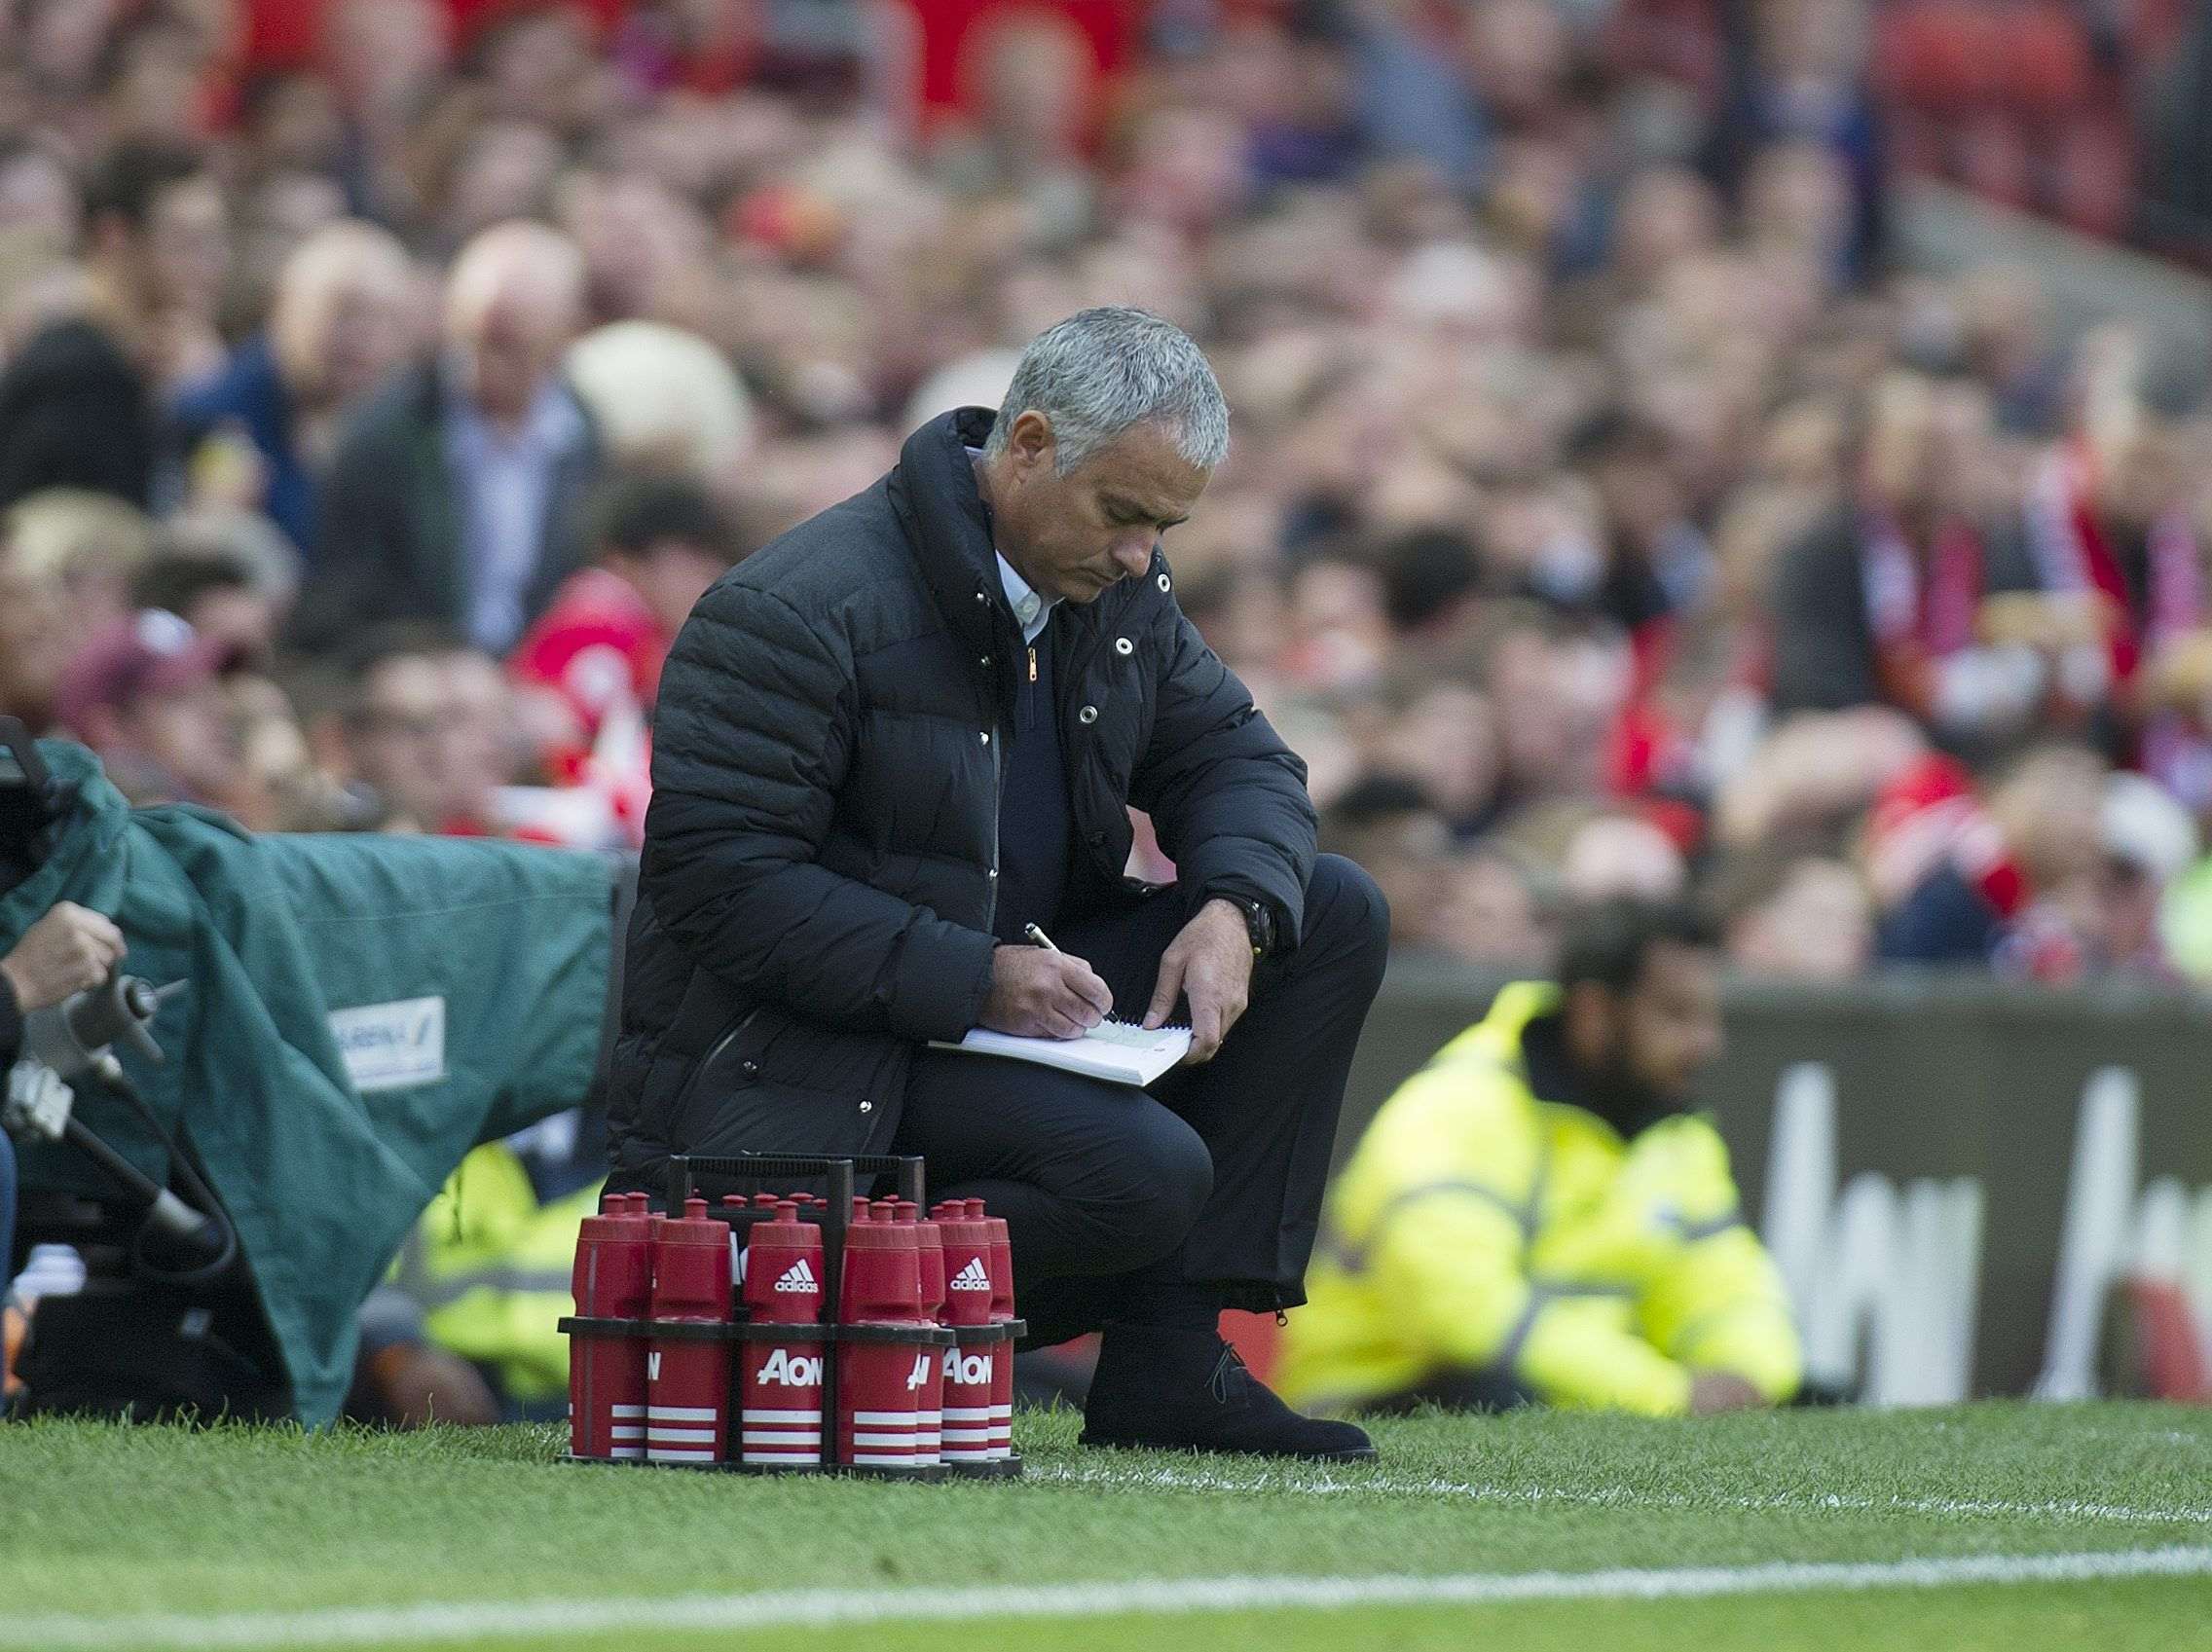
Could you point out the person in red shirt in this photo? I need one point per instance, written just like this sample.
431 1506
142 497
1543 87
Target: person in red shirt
659 542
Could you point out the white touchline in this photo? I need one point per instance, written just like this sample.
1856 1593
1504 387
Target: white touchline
1621 1496
1135 1597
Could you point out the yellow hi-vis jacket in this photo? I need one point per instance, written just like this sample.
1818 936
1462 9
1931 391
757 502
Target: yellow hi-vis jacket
1481 1228
488 1268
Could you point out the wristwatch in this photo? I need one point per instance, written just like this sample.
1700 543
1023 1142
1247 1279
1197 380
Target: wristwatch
1259 923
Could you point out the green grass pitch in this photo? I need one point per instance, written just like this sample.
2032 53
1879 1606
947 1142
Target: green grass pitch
1995 1526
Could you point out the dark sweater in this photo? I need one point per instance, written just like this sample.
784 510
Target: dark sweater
1034 818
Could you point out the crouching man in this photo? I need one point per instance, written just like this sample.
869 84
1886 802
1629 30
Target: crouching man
896 746
1537 1214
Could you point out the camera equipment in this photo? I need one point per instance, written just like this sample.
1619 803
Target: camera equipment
69 1044
32 804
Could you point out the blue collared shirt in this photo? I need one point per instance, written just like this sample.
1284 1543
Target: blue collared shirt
505 483
1030 610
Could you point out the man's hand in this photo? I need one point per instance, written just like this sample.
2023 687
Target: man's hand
1210 962
1039 993
1715 1391
68 950
421 1384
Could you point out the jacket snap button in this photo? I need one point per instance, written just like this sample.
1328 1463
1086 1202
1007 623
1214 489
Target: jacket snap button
1163 582
867 1106
984 660
753 1069
1089 713
983 597
994 871
986 737
1124 646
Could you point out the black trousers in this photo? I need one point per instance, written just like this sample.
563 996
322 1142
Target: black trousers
1213 1178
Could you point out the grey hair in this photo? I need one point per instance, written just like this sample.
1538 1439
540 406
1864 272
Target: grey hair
1105 371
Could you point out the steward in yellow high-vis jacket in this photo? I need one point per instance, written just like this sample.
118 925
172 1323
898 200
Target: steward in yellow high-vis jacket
1536 1215
483 1281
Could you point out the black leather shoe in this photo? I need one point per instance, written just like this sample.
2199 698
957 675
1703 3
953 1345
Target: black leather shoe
1179 1390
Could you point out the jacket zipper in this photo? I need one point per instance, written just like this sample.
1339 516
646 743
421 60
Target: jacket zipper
998 802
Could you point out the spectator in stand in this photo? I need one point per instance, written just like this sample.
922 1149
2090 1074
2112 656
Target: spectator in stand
1614 854
37 196
2108 526
2150 842
340 323
1445 738
216 593
1388 826
424 733
1495 912
1788 916
664 399
597 651
1533 417
1884 600
145 696
36 640
2006 882
89 546
457 495
78 400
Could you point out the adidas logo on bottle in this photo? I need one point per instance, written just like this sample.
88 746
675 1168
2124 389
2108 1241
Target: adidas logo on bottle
972 1277
798 1279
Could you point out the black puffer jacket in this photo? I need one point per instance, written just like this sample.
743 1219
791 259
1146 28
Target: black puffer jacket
816 892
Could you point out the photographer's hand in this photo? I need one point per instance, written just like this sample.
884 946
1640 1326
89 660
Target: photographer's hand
68 950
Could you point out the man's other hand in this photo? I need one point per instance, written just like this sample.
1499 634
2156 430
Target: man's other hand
1039 993
1210 962
1715 1391
68 950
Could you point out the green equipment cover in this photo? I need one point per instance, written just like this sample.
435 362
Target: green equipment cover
361 1011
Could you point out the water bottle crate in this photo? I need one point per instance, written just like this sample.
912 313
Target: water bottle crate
832 1396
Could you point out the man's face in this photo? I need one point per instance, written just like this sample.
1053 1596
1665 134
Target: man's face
189 736
515 349
672 576
36 639
475 735
1665 1029
364 333
1071 537
187 248
395 744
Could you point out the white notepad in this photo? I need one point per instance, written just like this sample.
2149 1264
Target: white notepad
1113 1050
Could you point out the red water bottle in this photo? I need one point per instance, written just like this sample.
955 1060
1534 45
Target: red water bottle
780 1396
612 1279
968 1365
928 1422
686 1378
1002 1312
880 1378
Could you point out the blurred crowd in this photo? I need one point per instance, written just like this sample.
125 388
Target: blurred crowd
1605 513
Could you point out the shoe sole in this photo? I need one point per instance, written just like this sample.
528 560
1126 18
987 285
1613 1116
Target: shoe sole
1362 1456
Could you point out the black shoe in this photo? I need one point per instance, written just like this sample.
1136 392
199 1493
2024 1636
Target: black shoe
1179 1390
